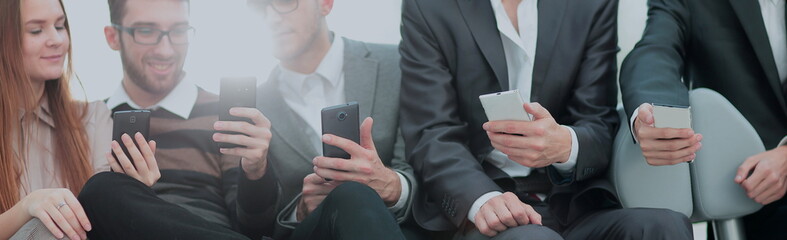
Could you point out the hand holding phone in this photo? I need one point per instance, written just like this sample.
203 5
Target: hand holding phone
134 157
506 105
664 134
236 92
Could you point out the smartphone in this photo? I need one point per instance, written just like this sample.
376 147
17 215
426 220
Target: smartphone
130 122
236 92
671 116
506 105
343 121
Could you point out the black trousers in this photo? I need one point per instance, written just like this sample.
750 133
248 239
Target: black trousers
603 224
120 207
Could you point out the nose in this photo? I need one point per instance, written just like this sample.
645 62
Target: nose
56 38
164 48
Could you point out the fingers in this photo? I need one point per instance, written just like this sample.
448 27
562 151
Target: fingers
645 115
345 144
251 113
366 134
313 179
752 183
50 224
674 157
538 111
493 224
136 156
503 216
534 217
61 222
670 144
72 220
121 158
255 131
342 164
483 227
113 163
745 169
515 127
514 141
79 212
517 208
648 132
238 139
147 153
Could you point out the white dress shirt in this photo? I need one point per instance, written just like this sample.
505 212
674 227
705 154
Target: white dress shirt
773 17
520 51
179 101
308 94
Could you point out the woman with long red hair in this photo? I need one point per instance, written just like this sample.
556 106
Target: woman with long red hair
50 144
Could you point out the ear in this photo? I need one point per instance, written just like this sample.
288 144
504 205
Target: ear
326 6
113 37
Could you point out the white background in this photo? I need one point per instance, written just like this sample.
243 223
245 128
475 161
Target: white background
231 39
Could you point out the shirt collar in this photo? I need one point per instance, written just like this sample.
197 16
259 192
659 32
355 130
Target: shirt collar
180 100
330 67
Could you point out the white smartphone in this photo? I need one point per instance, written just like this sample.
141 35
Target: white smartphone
671 116
506 105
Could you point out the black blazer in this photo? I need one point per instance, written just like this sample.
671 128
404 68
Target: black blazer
452 53
716 44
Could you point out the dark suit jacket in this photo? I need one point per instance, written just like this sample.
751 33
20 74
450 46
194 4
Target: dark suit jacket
452 53
372 77
716 44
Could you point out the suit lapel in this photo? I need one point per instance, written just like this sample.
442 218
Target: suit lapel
751 19
550 17
480 18
286 125
360 76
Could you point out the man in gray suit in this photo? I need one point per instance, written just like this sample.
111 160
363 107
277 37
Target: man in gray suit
320 69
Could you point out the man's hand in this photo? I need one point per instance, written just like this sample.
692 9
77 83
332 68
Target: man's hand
503 212
535 144
664 146
257 138
145 168
315 189
767 182
364 165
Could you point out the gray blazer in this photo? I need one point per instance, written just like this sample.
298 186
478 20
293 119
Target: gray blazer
372 78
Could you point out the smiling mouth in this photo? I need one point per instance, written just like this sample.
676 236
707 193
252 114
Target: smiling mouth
161 68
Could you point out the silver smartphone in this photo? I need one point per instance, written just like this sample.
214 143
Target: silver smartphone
506 105
671 116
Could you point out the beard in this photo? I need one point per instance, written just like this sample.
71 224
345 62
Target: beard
159 85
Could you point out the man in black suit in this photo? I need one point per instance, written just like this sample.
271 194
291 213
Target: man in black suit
737 48
516 179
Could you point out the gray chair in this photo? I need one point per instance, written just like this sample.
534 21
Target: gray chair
703 189
34 230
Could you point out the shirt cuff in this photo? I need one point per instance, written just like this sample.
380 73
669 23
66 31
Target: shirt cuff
293 216
403 196
631 124
783 142
480 202
567 167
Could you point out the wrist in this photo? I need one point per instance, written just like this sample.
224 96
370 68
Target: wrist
394 191
565 153
255 170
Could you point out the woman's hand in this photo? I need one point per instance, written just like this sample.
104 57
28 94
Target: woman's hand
60 212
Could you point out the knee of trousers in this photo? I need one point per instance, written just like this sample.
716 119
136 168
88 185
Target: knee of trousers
352 196
650 222
529 232
104 187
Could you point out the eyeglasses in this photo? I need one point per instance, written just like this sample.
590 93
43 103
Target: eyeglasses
152 36
280 6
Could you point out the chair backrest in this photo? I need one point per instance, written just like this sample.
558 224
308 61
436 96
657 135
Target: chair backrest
728 139
639 184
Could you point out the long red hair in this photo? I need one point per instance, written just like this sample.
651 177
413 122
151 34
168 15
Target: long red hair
70 142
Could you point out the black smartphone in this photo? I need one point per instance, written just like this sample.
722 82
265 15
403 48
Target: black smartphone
236 92
130 122
343 121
